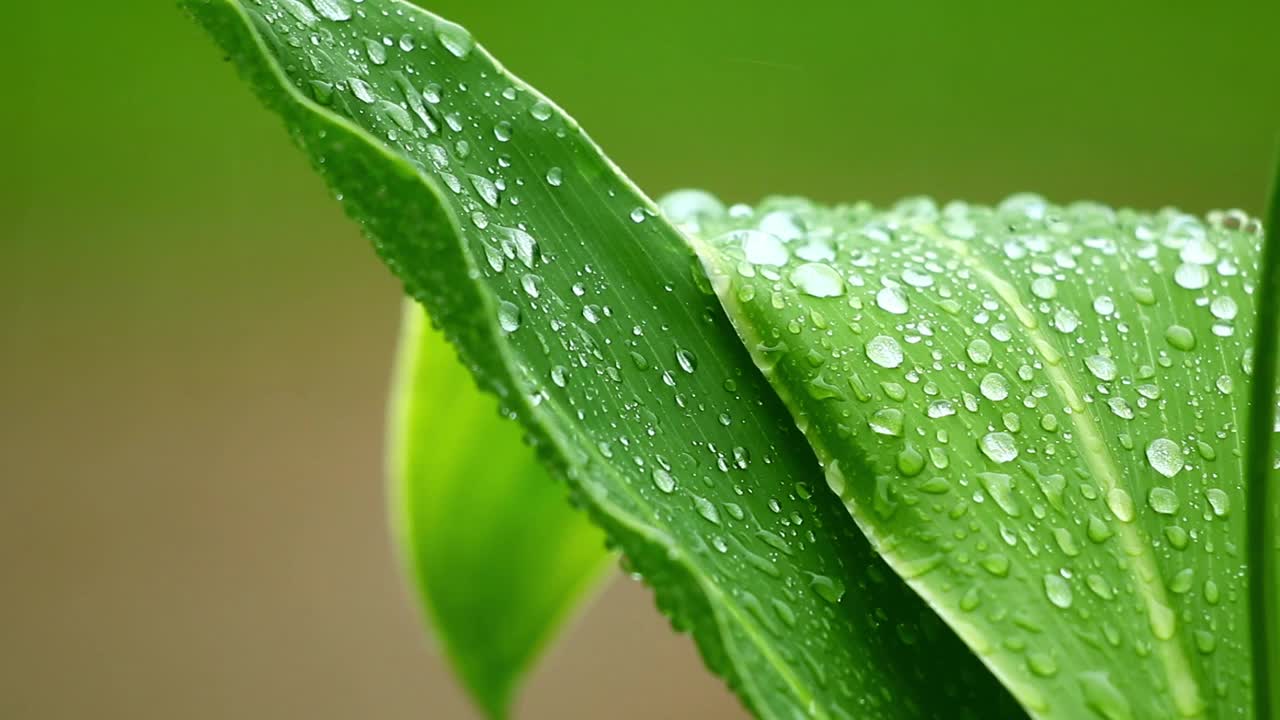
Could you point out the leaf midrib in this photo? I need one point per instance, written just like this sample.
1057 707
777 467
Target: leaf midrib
1097 455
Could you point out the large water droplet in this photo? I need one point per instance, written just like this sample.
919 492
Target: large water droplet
979 351
1163 500
663 480
1165 456
884 351
999 447
1102 367
1000 487
892 300
1057 590
508 316
994 387
818 280
337 10
761 248
455 38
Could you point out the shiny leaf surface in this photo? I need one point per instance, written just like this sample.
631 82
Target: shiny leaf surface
586 313
1037 414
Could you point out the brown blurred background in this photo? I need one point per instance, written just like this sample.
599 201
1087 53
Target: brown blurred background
194 342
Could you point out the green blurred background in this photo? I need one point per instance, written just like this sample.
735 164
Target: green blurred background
194 343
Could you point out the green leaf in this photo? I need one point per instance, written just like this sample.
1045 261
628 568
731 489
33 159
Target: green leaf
571 299
1264 474
1037 415
498 556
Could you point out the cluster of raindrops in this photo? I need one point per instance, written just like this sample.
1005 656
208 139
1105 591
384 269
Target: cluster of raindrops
663 416
1044 394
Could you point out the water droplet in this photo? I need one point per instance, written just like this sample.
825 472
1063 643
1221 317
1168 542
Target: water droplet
687 206
558 375
688 362
485 189
761 248
1181 581
1219 502
376 51
1190 276
1180 337
541 111
1065 320
818 280
892 300
979 351
508 316
336 10
887 421
1099 586
1163 500
884 351
1042 664
1102 367
1165 456
1120 502
1057 590
994 387
555 176
1177 537
1223 308
1103 697
362 90
829 589
996 564
1044 288
455 38
706 509
1000 487
663 480
999 447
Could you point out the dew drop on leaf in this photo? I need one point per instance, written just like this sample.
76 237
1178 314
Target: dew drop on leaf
1180 337
455 38
761 248
818 280
688 362
994 387
999 447
1102 367
336 10
1057 590
1191 277
1165 456
884 351
1163 500
979 351
508 316
1120 502
892 300
663 480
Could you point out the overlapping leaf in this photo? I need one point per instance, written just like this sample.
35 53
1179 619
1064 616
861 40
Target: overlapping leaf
1038 415
585 312
497 555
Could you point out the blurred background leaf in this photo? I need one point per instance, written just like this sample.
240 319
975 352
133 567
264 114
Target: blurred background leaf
191 519
498 555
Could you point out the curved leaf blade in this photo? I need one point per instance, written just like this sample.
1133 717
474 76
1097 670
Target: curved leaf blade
584 311
498 557
1035 413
